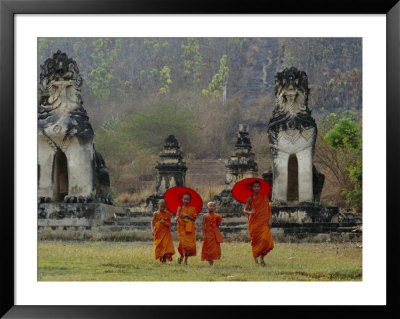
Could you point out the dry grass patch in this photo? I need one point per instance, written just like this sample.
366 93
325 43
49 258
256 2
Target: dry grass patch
134 261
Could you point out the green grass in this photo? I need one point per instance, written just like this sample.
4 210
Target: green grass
135 261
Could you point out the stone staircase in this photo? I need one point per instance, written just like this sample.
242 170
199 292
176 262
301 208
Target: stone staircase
132 220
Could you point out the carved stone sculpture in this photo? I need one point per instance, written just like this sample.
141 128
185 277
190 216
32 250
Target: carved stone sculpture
69 168
292 134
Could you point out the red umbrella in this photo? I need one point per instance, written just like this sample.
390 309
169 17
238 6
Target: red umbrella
243 189
174 195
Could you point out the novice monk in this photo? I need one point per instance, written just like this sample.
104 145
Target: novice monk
259 211
211 249
160 227
186 216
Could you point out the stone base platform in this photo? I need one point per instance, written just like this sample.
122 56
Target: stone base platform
76 214
286 215
104 222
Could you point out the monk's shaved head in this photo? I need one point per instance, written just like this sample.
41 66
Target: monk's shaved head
162 201
211 203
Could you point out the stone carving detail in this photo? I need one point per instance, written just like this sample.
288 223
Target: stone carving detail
292 132
241 164
69 168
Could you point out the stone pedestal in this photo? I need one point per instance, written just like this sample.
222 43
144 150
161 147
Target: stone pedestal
241 164
75 214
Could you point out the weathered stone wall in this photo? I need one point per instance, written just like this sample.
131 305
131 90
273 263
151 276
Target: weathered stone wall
76 214
289 224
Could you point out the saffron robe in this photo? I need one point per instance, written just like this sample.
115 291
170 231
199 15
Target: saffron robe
210 248
163 244
260 233
187 232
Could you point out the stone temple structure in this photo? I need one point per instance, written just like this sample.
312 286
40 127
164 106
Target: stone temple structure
292 134
171 170
69 168
241 164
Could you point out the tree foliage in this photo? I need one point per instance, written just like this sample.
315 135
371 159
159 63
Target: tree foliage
219 80
345 135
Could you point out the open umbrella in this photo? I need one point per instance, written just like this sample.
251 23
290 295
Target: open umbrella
174 195
243 189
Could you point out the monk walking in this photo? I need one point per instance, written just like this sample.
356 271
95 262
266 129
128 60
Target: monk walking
160 227
211 249
185 217
259 211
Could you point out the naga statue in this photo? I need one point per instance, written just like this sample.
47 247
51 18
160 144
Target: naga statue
292 134
69 168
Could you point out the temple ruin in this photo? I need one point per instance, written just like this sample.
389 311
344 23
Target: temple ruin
73 180
171 169
241 164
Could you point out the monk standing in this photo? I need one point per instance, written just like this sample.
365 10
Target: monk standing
259 211
185 217
160 227
211 249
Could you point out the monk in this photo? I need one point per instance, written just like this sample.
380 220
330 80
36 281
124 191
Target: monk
259 211
185 217
160 227
211 249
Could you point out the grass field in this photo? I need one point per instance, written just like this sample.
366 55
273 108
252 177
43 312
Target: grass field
134 261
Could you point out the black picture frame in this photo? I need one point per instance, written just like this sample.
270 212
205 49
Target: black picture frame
8 10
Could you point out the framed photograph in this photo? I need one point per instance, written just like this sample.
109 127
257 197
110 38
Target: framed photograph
224 77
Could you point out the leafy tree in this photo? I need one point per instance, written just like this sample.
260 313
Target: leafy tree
153 126
165 79
134 140
104 55
219 81
345 135
192 60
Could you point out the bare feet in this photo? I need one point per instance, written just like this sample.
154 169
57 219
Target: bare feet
256 260
262 261
186 258
180 259
211 262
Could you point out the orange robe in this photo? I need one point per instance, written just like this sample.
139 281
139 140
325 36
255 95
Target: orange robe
260 234
163 244
187 232
211 249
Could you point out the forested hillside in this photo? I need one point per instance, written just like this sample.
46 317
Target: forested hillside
137 91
